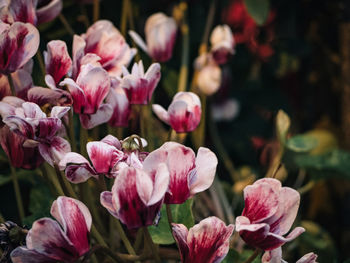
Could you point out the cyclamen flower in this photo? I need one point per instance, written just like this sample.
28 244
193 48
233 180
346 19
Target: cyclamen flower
184 112
107 43
208 241
30 11
188 174
160 31
137 195
268 215
37 129
18 44
88 92
49 241
222 42
275 256
138 85
107 157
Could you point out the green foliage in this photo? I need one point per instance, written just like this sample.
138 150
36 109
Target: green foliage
258 9
181 214
301 143
232 256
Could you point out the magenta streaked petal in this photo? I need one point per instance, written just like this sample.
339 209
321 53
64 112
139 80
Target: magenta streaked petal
161 113
19 126
106 200
6 109
32 111
49 11
42 96
180 233
113 141
57 59
20 11
206 163
77 54
103 156
272 256
54 151
75 219
273 241
77 93
103 114
308 258
153 76
25 255
48 127
121 107
47 238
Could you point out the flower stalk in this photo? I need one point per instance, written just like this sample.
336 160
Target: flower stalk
17 193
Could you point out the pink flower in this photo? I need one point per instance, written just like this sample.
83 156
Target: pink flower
275 256
308 258
105 41
88 92
269 213
208 241
30 11
188 174
52 241
222 43
184 112
18 44
37 129
108 157
57 60
139 86
137 195
119 101
160 31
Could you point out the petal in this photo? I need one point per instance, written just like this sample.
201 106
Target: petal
22 11
209 240
121 107
42 96
47 238
161 113
95 83
33 111
77 168
19 126
113 141
273 241
106 200
161 184
308 258
75 219
206 163
138 40
272 256
25 255
179 116
48 127
103 156
153 76
77 93
54 152
102 115
180 233
57 59
49 12
78 52
243 224
59 112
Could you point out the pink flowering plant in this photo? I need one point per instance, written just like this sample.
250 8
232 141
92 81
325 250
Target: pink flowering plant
113 148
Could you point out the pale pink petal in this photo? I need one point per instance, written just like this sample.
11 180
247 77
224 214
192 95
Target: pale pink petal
102 115
103 156
161 184
19 126
49 11
75 219
113 141
243 224
161 113
106 200
33 111
308 258
180 233
121 107
19 10
77 54
206 163
14 101
47 238
144 186
25 255
54 152
272 256
138 40
77 93
48 127
59 112
153 76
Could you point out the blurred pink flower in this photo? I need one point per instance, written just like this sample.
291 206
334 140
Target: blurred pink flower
30 11
107 43
184 112
269 213
275 256
222 44
18 44
208 241
88 92
137 195
51 241
160 31
138 85
188 174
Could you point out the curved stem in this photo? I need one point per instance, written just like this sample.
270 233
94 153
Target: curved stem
184 58
306 188
17 193
123 19
170 216
84 136
67 186
208 26
40 59
96 10
12 86
104 250
66 25
149 241
97 235
253 256
71 131
124 238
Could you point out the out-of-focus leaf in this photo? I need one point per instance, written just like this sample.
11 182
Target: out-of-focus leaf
327 141
282 125
169 81
182 214
258 9
246 254
302 143
232 256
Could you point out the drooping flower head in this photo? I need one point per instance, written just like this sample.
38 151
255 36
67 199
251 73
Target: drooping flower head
160 31
184 112
64 240
188 174
268 215
208 241
222 43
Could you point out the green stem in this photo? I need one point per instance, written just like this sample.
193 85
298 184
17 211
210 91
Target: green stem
12 86
170 216
71 131
124 238
40 60
17 193
123 19
66 25
54 180
67 186
184 58
306 188
96 10
104 250
97 235
253 256
2 219
208 26
138 239
83 141
149 241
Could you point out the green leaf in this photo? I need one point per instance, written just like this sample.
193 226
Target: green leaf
182 214
232 256
302 143
258 9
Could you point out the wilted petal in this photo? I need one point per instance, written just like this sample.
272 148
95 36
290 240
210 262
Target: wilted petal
57 59
49 12
32 111
59 112
103 114
54 151
103 156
